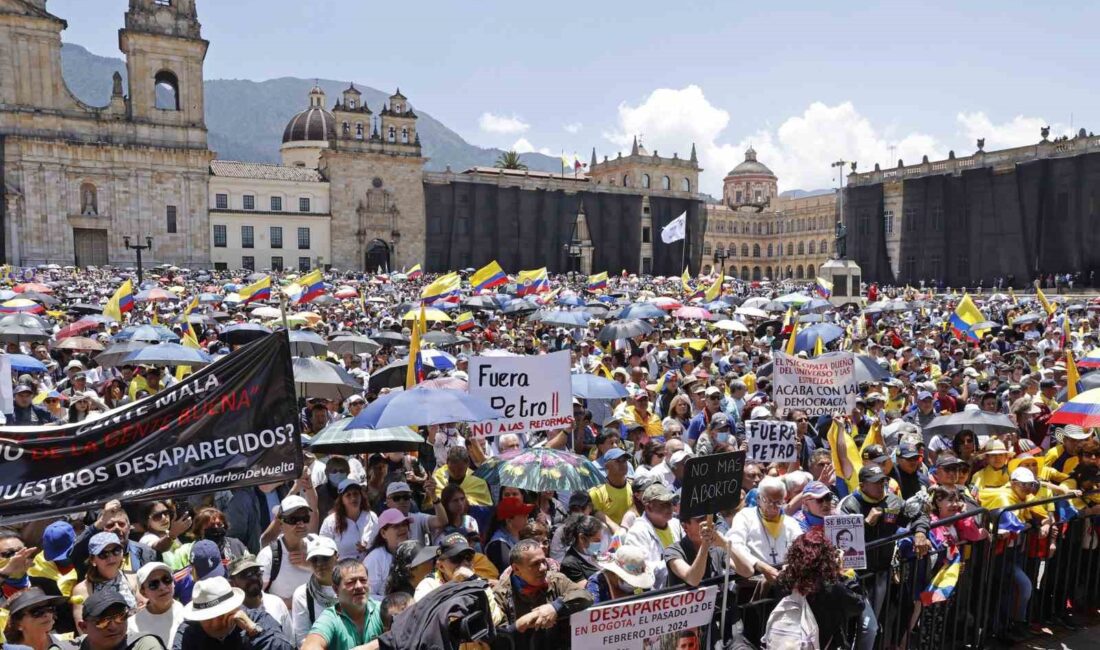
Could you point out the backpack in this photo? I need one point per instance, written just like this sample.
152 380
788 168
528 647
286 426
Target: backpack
791 626
276 561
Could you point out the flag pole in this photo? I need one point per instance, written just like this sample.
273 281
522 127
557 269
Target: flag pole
282 311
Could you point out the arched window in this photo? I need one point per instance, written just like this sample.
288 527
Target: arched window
810 271
824 246
706 249
731 251
744 250
790 249
167 91
813 247
685 185
769 250
626 180
756 250
789 273
345 128
645 180
756 273
666 183
745 273
405 135
392 133
798 272
801 248
768 273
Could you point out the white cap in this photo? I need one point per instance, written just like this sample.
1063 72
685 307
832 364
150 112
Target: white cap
291 503
1023 475
320 546
147 570
759 413
680 456
74 365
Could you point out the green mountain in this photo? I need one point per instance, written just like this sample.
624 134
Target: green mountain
246 118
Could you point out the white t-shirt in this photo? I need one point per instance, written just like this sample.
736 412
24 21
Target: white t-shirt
163 625
300 615
362 529
290 577
276 608
378 565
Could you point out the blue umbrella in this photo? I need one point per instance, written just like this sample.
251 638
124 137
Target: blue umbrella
717 305
642 310
593 387
423 407
827 332
168 354
150 333
209 298
564 318
26 363
437 359
571 301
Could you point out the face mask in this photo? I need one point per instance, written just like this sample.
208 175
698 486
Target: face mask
596 549
216 535
723 436
336 478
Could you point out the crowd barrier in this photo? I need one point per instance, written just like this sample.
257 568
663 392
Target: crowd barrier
1056 572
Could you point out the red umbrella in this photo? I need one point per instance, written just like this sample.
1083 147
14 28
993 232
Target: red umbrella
666 303
76 329
33 287
345 293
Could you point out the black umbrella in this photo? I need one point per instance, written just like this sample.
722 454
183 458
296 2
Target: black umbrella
353 344
243 333
393 375
1089 380
762 328
484 303
340 438
517 307
387 337
624 329
316 378
980 422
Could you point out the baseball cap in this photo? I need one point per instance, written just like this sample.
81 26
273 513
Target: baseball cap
453 546
949 460
924 395
147 570
291 503
759 413
244 563
874 397
713 391
347 484
816 489
23 388
875 454
871 474
615 453
74 365
718 421
321 546
207 559
1023 475
101 541
101 601
398 487
680 456
908 450
58 540
658 493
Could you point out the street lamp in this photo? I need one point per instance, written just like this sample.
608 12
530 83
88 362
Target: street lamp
138 247
720 259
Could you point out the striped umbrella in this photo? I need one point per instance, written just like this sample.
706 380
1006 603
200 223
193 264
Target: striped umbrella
1083 410
1090 360
18 305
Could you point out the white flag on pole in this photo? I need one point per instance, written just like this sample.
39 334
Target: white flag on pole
675 230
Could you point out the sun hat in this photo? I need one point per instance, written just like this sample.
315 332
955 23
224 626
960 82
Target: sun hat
629 564
658 493
413 553
1075 432
995 447
212 598
29 598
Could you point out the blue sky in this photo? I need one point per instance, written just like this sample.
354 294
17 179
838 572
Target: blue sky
804 82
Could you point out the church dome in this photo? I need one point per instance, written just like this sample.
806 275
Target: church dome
751 166
314 123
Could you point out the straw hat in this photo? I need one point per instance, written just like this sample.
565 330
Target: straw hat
629 563
995 447
212 598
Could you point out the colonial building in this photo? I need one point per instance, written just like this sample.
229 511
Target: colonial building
755 233
1010 214
350 193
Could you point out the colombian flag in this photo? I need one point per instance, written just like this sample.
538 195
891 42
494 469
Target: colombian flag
312 286
414 374
823 288
1073 376
966 315
597 282
945 581
465 321
531 282
121 302
258 290
685 280
185 324
414 273
488 276
1049 308
444 286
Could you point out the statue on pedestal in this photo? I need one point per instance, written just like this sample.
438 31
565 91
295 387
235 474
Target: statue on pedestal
840 245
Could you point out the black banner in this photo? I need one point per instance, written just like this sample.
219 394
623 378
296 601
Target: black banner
229 425
711 484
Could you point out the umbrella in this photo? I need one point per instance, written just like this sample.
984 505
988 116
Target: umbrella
1088 381
984 325
484 303
25 363
624 329
149 333
1083 410
642 310
796 299
449 383
243 333
424 407
155 295
316 378
1026 318
1090 360
807 338
353 344
267 312
81 326
751 312
519 307
542 469
85 308
816 304
593 387
572 300
209 298
116 354
756 302
811 318
168 354
438 359
692 313
29 321
345 293
341 438
78 343
563 318
443 338
42 298
307 344
667 303
430 314
981 423
19 334
17 305
33 287
774 306
731 326
387 337
390 376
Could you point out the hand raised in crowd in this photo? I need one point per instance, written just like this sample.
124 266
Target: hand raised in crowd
921 544
873 516
110 509
180 526
21 561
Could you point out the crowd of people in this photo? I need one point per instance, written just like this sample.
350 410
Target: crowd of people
357 550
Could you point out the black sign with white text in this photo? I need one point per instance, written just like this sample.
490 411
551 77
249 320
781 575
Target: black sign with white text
711 484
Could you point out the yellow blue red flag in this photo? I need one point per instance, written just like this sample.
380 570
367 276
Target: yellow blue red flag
121 302
532 282
258 290
966 316
488 276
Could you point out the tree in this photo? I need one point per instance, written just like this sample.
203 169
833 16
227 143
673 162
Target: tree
509 160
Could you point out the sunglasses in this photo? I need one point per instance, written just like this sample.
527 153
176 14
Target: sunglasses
163 514
156 583
42 611
105 622
402 497
1091 454
254 572
10 553
295 521
111 552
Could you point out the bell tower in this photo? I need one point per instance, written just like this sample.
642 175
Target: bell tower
164 52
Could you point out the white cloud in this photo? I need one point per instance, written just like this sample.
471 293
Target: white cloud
491 123
1017 132
523 145
573 127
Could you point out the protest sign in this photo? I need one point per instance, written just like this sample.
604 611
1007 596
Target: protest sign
629 625
711 484
531 392
230 425
819 386
846 533
771 441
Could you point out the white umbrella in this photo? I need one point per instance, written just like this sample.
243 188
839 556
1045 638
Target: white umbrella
731 326
267 312
751 312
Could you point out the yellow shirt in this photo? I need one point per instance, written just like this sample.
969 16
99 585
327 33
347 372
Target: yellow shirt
750 381
988 477
664 535
136 384
476 489
897 404
1054 453
613 502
